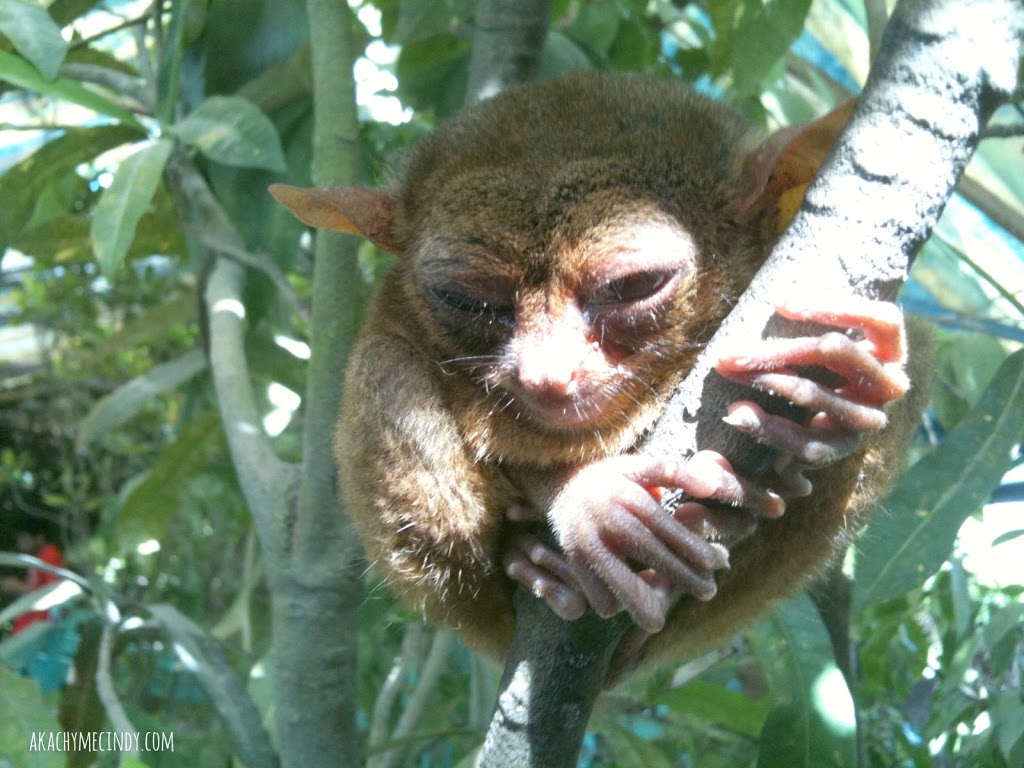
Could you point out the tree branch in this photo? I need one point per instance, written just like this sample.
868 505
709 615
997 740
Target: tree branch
265 479
105 692
942 69
507 44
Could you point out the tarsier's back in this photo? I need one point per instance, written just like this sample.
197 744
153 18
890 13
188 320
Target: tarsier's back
565 250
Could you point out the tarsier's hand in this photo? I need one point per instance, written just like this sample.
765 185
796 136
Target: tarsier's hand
870 374
622 551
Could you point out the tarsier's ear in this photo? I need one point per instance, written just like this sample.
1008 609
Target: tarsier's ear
776 174
370 213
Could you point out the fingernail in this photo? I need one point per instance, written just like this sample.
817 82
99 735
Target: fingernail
706 591
742 417
776 505
740 361
570 607
722 555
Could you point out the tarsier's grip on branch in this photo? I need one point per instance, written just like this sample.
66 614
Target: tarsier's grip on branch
565 250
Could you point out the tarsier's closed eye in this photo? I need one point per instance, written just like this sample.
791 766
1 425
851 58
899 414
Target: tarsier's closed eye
471 305
631 288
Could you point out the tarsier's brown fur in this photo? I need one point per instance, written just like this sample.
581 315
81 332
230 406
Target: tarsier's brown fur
525 186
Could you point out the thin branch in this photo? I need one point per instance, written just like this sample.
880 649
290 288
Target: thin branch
430 674
132 91
119 720
392 687
1003 132
266 480
86 42
262 262
992 206
877 16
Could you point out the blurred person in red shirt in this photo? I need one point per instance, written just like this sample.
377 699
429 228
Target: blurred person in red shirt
32 540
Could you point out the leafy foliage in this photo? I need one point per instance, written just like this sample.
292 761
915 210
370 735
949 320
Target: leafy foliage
109 426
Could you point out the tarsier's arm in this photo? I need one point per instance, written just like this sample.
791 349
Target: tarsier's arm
429 516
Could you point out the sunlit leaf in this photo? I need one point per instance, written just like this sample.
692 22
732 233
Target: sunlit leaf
232 130
204 657
126 401
20 73
66 239
124 202
23 183
1007 537
756 36
34 34
913 535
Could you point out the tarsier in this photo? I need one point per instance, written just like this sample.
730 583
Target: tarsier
565 250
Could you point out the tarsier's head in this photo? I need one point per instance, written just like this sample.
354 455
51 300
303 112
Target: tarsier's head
565 248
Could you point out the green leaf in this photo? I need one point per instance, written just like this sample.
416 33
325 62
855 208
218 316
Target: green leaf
637 46
700 698
66 239
66 11
26 715
150 327
432 74
34 34
1008 719
204 656
596 27
419 21
561 55
151 504
249 36
914 537
233 131
631 751
964 365
761 34
126 401
1002 622
814 724
123 203
20 73
22 184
